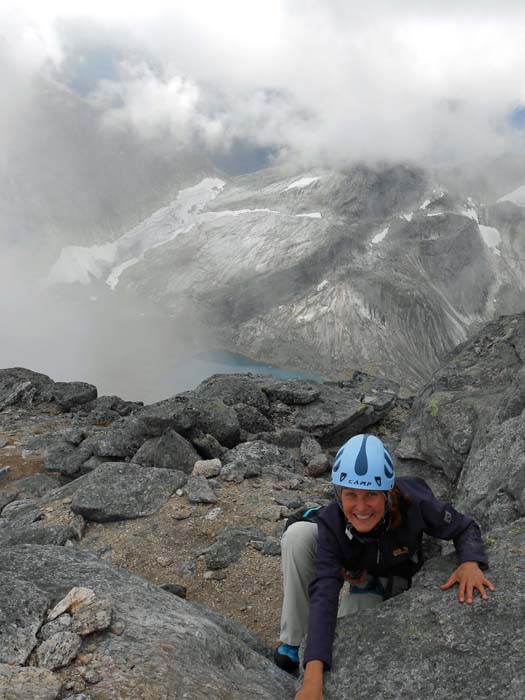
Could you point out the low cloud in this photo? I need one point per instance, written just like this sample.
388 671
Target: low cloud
321 81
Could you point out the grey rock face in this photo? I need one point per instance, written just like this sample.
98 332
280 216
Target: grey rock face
188 412
27 682
292 391
170 451
36 485
70 394
159 627
22 609
92 616
467 421
7 497
59 650
336 416
35 534
198 490
287 437
317 466
492 484
435 640
208 446
19 385
22 386
251 420
310 448
229 545
122 439
109 408
253 459
65 458
60 624
208 468
234 389
120 490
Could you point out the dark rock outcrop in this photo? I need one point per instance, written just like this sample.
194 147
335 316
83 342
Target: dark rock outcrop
468 421
23 386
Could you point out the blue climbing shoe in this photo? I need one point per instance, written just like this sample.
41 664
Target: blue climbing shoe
287 657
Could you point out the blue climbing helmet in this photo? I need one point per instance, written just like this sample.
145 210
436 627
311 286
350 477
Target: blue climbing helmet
364 463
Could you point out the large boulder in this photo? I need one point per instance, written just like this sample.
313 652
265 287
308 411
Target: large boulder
233 389
178 649
122 490
70 394
492 484
19 385
170 451
255 458
23 386
336 415
190 414
467 421
122 439
424 644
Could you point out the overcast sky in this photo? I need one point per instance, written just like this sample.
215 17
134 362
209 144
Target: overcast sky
331 80
244 82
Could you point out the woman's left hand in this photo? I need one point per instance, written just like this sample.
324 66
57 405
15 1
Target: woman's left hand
469 577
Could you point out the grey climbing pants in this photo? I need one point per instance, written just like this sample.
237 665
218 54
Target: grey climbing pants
298 547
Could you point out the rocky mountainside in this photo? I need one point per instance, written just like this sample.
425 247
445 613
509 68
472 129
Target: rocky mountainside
377 268
162 523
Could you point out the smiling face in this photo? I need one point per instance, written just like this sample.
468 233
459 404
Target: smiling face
363 509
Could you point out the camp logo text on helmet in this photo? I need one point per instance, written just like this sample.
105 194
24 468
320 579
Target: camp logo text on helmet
364 463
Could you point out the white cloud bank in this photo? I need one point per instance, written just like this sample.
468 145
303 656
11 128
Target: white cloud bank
323 80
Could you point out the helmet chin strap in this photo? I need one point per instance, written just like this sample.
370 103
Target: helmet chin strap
381 526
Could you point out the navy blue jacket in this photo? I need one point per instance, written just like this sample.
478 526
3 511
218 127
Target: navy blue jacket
393 553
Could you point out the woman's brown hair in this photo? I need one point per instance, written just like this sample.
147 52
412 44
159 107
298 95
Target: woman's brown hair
398 505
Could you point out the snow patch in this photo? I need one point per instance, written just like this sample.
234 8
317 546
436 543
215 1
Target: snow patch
82 264
407 217
115 273
313 215
516 197
492 238
323 285
303 182
237 212
379 236
426 203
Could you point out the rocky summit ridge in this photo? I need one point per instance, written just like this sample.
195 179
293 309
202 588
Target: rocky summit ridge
155 529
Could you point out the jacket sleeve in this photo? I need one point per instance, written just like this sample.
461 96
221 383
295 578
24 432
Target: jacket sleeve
324 598
443 521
